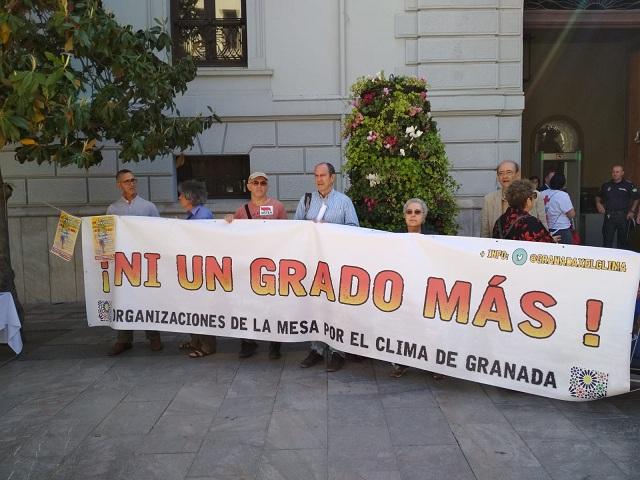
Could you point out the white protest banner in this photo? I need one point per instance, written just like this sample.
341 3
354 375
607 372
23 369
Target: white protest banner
547 319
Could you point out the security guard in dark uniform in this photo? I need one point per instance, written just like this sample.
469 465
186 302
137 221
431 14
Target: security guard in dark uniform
618 200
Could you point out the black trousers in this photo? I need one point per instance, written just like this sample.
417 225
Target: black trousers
615 223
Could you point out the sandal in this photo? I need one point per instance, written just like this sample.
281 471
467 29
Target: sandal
195 353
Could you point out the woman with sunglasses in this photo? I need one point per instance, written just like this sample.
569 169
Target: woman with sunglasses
516 223
415 215
192 194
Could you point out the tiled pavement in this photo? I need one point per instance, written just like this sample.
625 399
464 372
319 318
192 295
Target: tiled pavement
67 411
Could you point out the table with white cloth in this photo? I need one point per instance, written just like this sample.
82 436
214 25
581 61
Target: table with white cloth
9 323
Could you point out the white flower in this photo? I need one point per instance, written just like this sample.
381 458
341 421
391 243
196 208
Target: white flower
413 132
380 74
429 114
374 179
402 152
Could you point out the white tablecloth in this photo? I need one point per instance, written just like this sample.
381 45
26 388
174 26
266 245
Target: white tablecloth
9 323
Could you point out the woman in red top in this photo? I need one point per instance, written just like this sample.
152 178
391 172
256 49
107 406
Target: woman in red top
516 223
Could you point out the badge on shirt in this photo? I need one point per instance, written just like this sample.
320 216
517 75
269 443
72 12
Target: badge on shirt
265 210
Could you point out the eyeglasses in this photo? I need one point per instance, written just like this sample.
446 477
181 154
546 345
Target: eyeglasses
262 183
411 212
129 181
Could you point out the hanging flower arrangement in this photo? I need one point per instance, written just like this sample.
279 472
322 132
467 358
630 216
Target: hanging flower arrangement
394 152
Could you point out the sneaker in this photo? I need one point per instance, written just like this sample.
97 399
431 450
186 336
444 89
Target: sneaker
312 359
247 348
274 351
336 362
155 344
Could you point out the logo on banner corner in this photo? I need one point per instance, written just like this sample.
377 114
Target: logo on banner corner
104 310
588 384
519 256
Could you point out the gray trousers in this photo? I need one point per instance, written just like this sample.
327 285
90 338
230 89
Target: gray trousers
319 347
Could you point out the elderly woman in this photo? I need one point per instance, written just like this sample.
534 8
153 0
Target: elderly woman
516 223
192 194
415 215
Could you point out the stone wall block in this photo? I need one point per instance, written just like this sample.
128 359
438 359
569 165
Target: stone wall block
241 137
63 273
458 22
292 187
159 165
332 155
475 182
459 49
35 260
57 191
472 155
311 132
277 160
163 189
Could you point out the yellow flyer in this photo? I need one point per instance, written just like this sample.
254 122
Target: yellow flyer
104 236
64 241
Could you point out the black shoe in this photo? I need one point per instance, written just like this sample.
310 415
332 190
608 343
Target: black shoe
336 362
312 359
247 348
274 351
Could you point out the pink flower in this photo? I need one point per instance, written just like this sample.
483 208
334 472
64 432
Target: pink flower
413 111
370 203
372 137
423 96
359 118
389 142
368 97
356 102
385 91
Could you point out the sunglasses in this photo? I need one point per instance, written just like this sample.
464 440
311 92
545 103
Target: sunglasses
262 183
411 212
129 180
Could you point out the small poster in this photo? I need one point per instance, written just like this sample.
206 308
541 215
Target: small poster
104 236
64 241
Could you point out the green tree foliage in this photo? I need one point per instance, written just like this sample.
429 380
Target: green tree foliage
71 77
394 153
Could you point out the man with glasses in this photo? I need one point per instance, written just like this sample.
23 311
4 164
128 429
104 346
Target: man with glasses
259 207
495 203
132 204
326 205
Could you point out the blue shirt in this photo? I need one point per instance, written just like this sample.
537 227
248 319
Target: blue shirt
200 212
340 209
138 207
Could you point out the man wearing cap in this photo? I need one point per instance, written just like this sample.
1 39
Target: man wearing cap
259 207
132 204
325 204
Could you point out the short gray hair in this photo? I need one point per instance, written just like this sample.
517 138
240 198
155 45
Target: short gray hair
419 201
194 190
